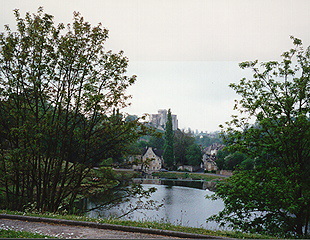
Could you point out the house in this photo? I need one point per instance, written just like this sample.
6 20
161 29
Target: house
150 161
213 149
209 157
208 162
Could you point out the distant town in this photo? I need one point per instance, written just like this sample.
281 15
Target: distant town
151 158
158 120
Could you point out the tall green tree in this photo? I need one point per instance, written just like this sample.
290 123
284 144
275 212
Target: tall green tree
168 154
182 140
186 150
275 196
59 91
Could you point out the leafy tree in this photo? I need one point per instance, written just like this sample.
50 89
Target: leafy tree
157 142
193 155
247 164
275 196
59 93
186 151
182 141
220 161
154 139
168 154
232 161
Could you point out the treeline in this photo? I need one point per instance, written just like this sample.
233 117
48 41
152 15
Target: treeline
186 150
226 160
274 196
59 95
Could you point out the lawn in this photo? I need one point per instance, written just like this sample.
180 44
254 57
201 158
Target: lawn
144 224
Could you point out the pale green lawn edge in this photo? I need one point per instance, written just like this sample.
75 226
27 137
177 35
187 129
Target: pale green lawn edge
146 224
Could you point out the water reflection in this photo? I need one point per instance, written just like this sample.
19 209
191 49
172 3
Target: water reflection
181 205
200 184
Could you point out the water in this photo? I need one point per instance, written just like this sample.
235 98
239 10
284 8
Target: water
181 206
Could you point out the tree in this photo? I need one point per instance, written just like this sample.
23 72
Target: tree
186 151
157 141
275 196
193 155
60 91
182 141
232 161
168 154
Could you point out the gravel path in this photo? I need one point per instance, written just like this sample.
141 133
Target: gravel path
65 231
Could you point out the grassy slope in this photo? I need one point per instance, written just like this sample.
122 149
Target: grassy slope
154 225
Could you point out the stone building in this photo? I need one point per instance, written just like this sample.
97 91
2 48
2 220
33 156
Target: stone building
150 161
209 157
159 120
208 162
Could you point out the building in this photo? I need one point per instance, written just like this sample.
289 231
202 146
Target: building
209 157
208 162
213 149
159 120
150 161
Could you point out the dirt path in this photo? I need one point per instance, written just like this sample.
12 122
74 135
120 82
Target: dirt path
65 231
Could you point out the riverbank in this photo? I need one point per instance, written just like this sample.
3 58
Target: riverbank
153 226
190 175
176 174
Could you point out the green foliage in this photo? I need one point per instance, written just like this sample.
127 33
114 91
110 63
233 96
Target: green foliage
108 197
59 92
278 190
168 154
157 142
261 200
154 139
187 152
231 161
193 155
182 141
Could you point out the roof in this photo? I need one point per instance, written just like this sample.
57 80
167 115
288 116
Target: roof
156 151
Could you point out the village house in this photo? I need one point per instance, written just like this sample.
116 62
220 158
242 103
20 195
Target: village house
209 157
150 161
208 162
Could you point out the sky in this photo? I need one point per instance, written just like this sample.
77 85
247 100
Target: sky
185 52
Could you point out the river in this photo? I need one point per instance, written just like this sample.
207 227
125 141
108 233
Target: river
180 206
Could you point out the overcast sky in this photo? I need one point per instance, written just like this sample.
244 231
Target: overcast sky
185 52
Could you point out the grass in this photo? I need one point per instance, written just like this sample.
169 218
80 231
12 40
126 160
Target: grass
8 233
184 175
145 224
